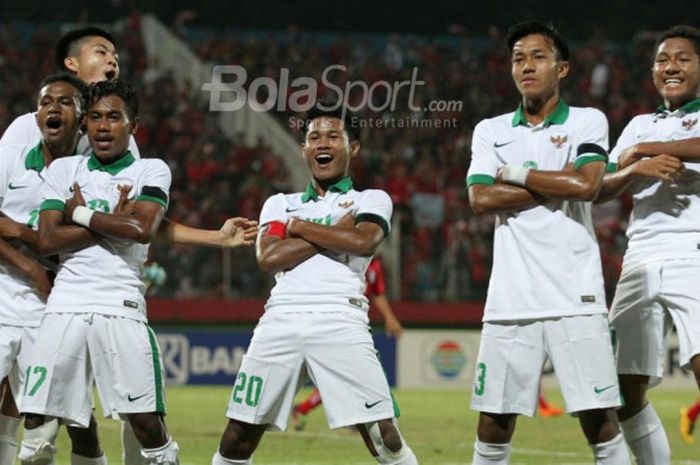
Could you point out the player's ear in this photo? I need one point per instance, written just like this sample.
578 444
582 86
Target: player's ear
134 126
563 69
301 152
354 148
71 64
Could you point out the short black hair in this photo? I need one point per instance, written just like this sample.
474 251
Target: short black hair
71 79
115 87
330 109
683 31
527 28
70 43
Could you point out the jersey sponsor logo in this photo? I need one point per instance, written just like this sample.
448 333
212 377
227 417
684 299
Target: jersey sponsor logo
598 390
369 406
503 144
689 124
346 204
558 140
131 304
132 399
356 302
13 187
588 299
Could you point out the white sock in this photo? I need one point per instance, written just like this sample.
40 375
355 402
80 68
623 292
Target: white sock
485 454
612 452
646 437
219 459
37 447
407 457
163 455
76 459
9 429
131 447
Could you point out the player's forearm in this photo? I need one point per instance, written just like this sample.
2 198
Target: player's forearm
685 149
339 239
16 259
382 304
176 233
614 184
501 198
285 254
566 185
61 239
135 228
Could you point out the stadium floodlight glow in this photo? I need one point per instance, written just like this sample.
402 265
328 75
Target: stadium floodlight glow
304 91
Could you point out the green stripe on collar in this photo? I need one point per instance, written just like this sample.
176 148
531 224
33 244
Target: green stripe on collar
113 168
35 159
342 186
558 116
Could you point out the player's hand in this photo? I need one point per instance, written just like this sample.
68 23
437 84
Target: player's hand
393 326
124 205
75 201
628 156
663 167
237 232
40 280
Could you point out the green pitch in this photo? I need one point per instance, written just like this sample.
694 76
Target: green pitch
437 424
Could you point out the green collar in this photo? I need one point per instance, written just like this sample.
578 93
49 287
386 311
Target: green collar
342 186
690 107
113 168
558 116
35 159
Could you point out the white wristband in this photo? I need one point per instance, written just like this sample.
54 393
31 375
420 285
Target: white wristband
514 174
82 216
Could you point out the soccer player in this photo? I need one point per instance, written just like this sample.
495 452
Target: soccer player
23 279
688 417
95 319
376 290
657 159
538 169
319 243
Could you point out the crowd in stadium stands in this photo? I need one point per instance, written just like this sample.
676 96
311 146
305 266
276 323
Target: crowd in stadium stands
445 249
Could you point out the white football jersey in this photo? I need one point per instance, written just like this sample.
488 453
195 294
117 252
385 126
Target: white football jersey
22 173
546 261
665 219
24 131
326 278
105 277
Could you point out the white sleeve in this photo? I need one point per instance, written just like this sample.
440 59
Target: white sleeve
592 139
22 131
57 182
627 139
273 210
8 162
155 182
484 164
375 206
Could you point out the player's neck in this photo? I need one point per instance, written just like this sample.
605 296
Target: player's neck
537 109
57 150
321 186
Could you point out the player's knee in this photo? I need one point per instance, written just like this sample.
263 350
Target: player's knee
164 455
37 447
599 425
388 444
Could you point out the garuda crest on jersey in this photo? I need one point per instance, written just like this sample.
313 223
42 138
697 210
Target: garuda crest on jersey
689 124
559 140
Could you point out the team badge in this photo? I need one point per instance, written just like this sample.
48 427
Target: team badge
347 204
689 124
558 140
